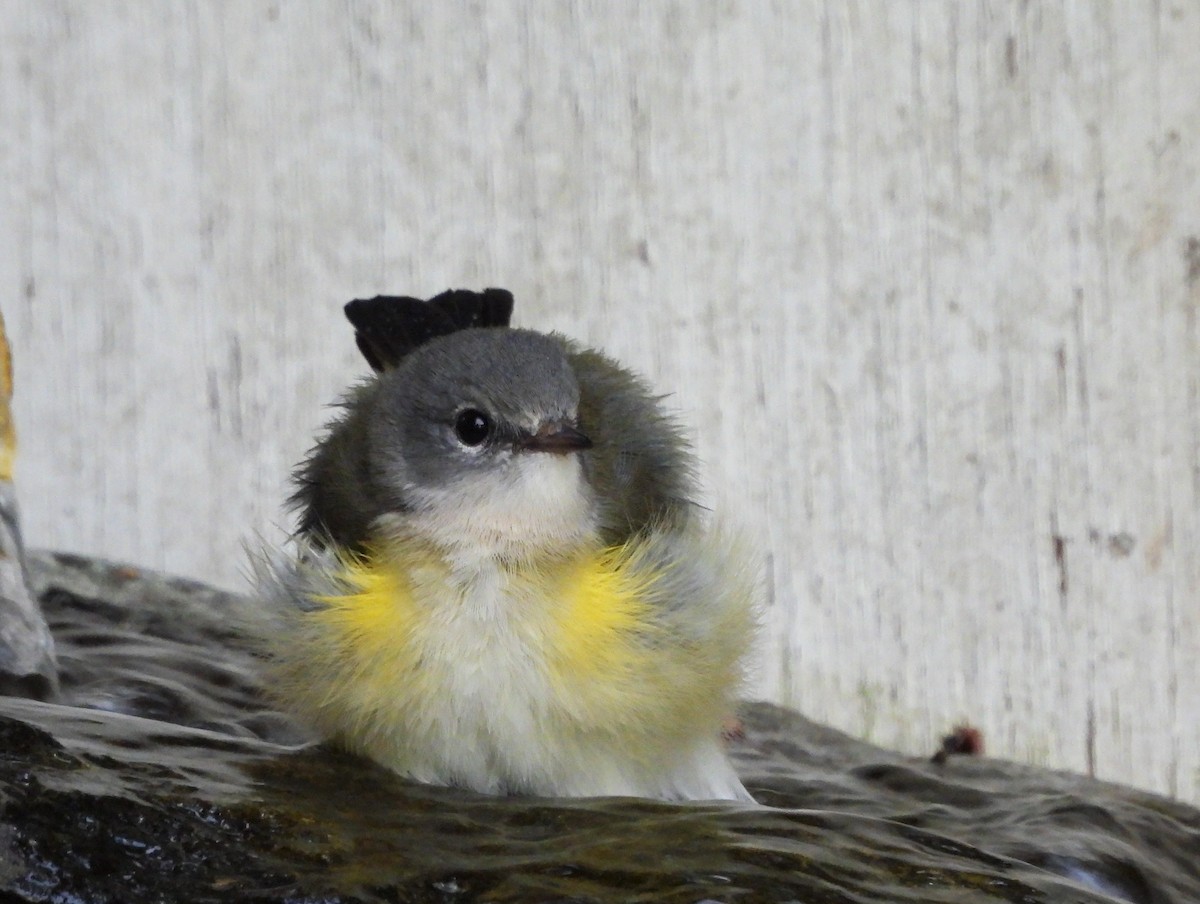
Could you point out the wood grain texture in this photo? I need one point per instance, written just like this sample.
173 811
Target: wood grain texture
923 277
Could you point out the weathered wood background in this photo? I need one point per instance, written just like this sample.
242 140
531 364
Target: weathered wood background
923 277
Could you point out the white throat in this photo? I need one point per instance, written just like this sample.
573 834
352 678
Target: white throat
538 505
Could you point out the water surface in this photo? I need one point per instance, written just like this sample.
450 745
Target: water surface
161 775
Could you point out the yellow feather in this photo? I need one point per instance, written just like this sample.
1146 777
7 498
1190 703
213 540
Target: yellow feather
594 607
376 612
601 617
377 664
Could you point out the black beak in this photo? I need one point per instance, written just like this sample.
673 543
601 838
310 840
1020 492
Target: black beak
557 438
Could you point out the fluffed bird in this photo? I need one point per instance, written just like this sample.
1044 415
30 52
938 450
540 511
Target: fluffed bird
501 580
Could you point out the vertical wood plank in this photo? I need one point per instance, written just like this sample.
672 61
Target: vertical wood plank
922 278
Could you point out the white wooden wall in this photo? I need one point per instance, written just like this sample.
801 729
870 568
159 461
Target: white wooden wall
923 277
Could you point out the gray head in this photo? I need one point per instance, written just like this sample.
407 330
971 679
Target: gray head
474 439
472 435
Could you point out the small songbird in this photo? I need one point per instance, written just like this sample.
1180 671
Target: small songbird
501 580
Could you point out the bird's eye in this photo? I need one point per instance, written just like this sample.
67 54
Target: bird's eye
472 427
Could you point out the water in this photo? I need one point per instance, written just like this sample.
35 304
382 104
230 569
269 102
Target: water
160 775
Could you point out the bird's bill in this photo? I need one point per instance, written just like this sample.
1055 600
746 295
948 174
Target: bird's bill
557 438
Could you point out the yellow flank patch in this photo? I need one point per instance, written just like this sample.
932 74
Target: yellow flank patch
376 617
602 617
593 612
582 635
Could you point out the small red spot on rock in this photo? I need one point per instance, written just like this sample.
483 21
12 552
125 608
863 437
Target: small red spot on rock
963 741
732 729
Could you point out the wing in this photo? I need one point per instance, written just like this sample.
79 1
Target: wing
640 465
388 327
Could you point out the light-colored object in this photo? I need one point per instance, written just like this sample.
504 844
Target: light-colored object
503 583
27 664
924 279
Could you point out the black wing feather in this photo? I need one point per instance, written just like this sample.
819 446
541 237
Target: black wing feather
388 327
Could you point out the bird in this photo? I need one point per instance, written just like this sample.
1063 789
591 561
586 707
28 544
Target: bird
501 579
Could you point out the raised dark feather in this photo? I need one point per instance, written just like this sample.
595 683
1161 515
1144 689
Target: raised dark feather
388 327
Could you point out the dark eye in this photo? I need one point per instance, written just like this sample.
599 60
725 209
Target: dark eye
472 427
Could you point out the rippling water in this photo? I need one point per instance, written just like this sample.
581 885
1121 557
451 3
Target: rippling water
160 775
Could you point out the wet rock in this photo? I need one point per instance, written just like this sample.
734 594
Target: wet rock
27 666
159 775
